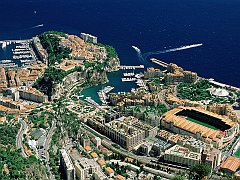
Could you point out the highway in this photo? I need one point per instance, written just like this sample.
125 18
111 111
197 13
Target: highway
19 137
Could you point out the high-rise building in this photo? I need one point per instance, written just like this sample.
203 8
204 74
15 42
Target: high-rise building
124 133
67 165
89 38
88 168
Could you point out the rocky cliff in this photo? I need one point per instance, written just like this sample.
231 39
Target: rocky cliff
112 65
93 77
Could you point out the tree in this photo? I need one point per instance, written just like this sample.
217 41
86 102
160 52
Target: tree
199 171
156 177
177 177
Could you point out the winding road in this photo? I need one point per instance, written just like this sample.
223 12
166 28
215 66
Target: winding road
19 137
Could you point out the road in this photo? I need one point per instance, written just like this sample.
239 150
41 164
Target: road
19 137
43 153
47 142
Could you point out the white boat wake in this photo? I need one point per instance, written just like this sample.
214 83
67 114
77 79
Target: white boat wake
143 56
40 25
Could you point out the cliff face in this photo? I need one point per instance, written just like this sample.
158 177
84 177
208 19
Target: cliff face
93 77
112 65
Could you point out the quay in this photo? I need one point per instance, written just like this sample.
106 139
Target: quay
161 63
91 101
132 67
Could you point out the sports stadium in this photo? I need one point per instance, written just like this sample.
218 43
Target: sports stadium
201 124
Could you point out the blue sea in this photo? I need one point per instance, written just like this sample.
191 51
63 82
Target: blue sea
151 25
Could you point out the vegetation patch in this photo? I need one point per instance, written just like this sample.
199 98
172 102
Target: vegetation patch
51 42
111 51
199 91
8 133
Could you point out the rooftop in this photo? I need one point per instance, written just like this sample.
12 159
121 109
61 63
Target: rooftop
183 152
101 162
119 177
67 159
109 170
87 148
94 155
219 92
231 163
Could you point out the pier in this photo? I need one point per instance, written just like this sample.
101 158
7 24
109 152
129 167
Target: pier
15 41
161 63
9 65
128 79
132 67
128 74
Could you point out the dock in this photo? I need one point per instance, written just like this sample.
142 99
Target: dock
15 41
128 74
8 65
132 67
161 63
128 79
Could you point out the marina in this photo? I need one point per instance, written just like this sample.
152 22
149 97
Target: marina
102 94
16 53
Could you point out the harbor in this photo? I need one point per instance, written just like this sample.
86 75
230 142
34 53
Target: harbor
114 81
16 53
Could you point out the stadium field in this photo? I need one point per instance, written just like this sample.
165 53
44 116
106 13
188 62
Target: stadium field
201 123
237 153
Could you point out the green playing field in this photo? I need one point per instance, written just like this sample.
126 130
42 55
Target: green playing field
237 153
202 123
